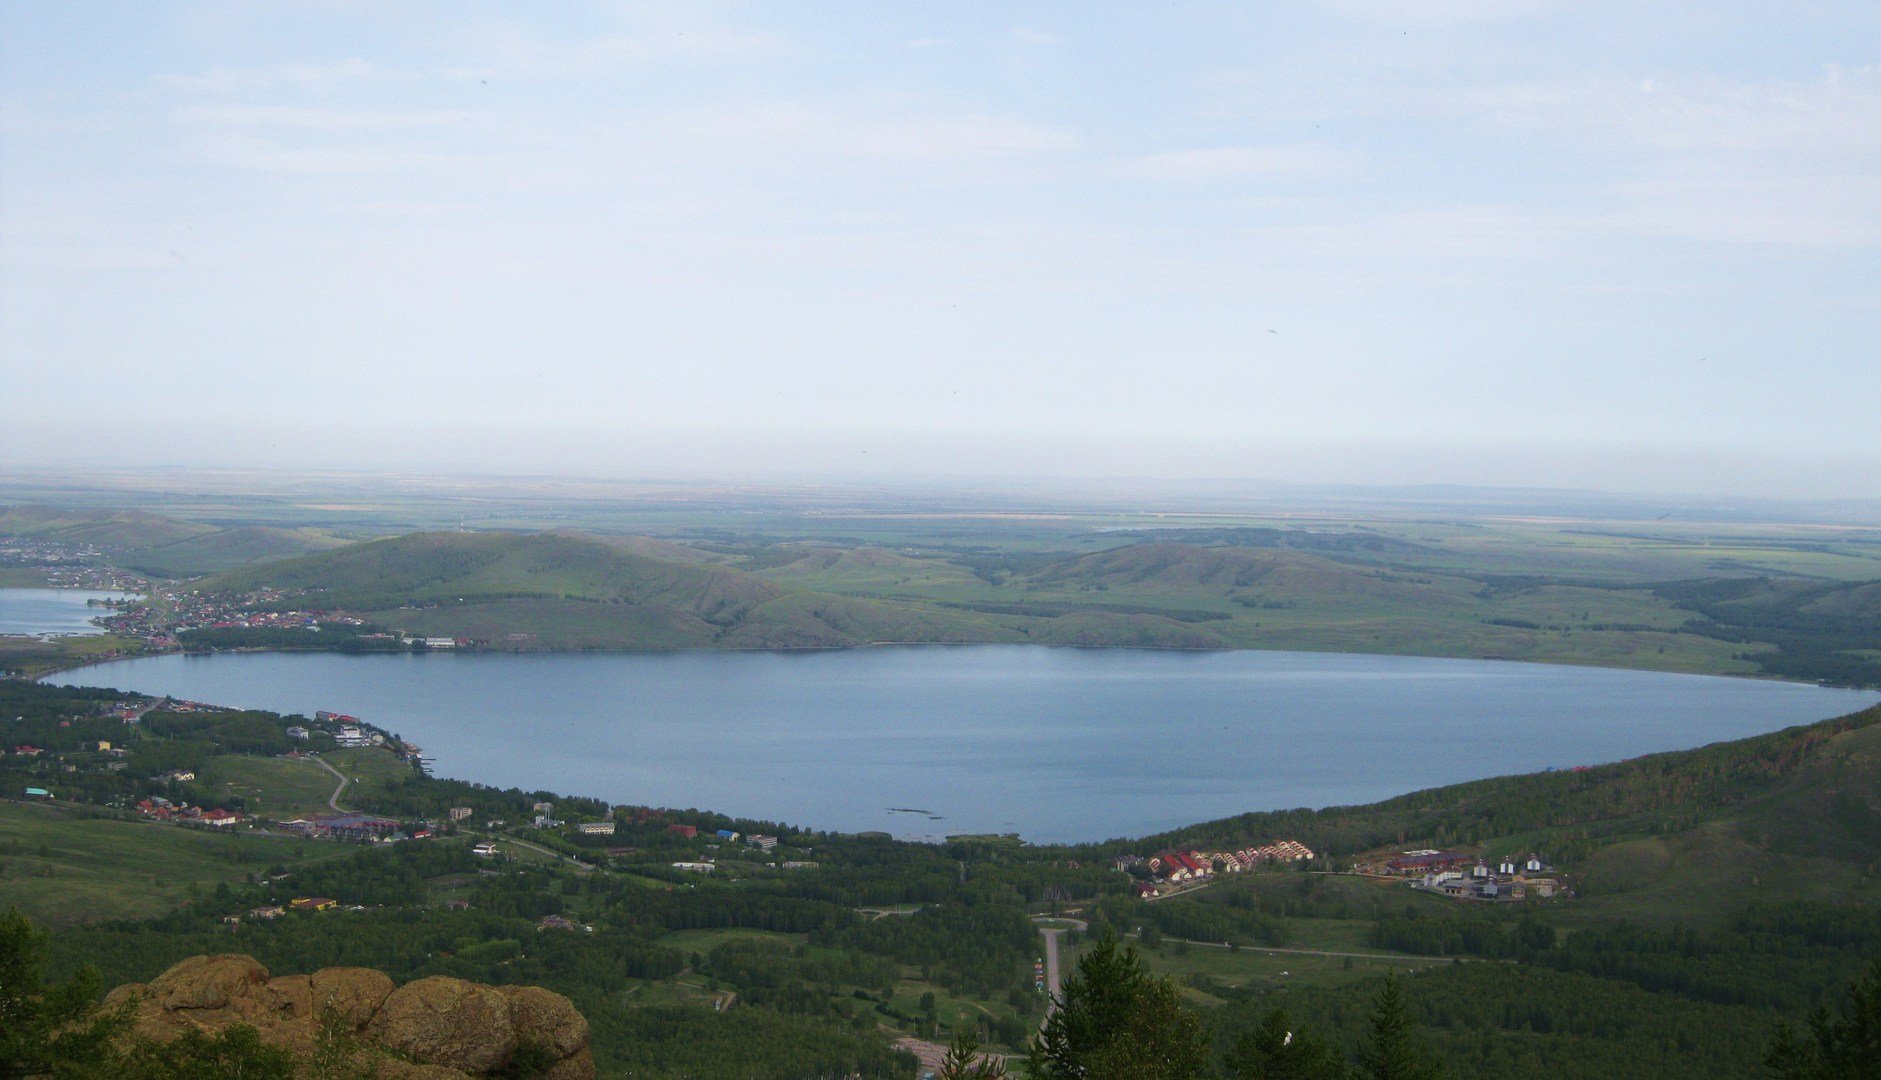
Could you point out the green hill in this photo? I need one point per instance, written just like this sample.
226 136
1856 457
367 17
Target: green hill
111 531
1275 575
161 546
1679 836
226 549
571 590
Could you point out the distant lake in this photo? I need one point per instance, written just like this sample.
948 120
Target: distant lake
1054 744
50 611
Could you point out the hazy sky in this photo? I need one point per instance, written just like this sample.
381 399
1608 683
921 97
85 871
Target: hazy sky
1627 245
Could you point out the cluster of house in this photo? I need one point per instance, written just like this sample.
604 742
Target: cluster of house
1173 869
355 828
1182 866
160 809
441 642
558 922
729 836
299 903
193 611
350 733
1470 877
66 566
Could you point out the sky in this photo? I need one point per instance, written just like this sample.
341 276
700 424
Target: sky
1627 246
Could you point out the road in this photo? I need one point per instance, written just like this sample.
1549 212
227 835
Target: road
1054 983
570 859
1272 949
334 799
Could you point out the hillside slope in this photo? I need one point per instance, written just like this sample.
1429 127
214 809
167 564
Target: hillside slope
226 549
571 590
110 531
1666 837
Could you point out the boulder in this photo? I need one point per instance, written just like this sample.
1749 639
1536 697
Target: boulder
354 992
438 1028
446 1021
547 1018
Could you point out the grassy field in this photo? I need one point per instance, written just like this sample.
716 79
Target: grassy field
62 866
367 768
1198 967
273 787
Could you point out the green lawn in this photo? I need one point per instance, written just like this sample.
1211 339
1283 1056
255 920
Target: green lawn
63 866
273 788
368 768
1256 967
704 941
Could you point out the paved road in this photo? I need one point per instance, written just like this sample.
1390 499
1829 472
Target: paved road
1054 983
334 799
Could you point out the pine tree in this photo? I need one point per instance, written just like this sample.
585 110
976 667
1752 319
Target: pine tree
46 1028
1274 1051
1114 1021
1391 1052
1847 1047
963 1061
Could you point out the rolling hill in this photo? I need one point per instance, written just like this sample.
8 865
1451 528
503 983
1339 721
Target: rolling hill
571 590
160 546
225 549
1679 837
110 531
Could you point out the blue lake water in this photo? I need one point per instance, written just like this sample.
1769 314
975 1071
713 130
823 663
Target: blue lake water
50 611
1054 744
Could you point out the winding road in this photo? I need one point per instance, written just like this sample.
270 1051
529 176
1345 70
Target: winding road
334 799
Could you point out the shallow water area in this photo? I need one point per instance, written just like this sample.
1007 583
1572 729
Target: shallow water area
1053 744
51 612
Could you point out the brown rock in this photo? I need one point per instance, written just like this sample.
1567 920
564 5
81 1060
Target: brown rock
209 982
120 995
548 1018
448 1028
446 1021
291 996
578 1067
354 992
397 1069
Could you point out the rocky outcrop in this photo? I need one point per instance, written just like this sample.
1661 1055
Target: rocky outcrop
429 1029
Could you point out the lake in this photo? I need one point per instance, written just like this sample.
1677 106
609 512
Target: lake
44 612
1054 744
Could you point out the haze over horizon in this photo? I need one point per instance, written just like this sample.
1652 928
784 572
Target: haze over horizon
1491 242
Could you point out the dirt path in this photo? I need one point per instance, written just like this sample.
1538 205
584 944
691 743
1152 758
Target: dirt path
334 799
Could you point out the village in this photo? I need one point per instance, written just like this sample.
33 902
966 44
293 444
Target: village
1168 873
66 567
1454 874
158 626
1471 876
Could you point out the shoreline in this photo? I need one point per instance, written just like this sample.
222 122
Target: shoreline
791 650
